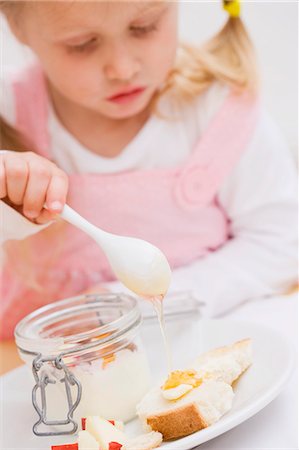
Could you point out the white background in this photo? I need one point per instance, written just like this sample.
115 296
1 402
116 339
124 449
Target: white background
273 26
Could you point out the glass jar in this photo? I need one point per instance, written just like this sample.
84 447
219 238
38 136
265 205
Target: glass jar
87 359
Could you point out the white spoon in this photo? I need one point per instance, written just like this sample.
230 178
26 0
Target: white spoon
139 265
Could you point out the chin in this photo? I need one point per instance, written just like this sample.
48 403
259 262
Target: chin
124 115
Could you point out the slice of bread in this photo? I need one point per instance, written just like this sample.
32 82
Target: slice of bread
203 405
197 409
225 363
179 422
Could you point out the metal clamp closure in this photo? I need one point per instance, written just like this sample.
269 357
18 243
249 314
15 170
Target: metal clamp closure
42 379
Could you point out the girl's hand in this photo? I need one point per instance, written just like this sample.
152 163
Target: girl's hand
29 181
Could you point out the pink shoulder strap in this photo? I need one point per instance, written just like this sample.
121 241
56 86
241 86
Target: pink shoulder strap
32 108
218 150
229 131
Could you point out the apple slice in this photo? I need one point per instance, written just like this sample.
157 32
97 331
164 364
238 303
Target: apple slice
117 423
146 441
104 432
65 447
87 442
115 446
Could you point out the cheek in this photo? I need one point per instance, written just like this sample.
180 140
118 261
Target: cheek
162 49
74 77
161 55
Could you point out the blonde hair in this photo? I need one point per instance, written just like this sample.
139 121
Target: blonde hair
229 58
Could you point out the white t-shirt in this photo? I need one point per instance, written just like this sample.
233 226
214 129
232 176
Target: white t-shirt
259 198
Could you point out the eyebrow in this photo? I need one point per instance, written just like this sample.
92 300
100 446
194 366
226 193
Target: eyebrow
144 6
150 13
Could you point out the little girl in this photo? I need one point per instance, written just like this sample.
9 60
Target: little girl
144 137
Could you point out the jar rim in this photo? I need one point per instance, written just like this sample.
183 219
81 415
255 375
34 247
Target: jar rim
33 332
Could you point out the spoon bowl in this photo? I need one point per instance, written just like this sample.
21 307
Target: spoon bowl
139 265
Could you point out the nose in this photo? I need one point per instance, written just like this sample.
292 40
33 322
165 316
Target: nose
120 63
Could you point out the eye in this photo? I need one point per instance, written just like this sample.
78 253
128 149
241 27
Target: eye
84 46
143 31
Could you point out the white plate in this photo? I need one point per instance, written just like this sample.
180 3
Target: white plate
263 381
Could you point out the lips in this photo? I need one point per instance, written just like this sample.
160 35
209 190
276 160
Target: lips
126 95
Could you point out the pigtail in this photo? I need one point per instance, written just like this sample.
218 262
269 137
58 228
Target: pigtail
228 57
234 52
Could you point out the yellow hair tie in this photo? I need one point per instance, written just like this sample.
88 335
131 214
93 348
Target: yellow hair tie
233 7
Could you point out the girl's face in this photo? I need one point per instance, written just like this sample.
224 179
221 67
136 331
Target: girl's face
108 57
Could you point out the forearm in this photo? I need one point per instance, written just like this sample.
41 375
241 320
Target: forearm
241 270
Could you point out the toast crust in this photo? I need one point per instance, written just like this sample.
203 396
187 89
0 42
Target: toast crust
178 422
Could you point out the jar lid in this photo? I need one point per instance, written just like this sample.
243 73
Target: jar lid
78 324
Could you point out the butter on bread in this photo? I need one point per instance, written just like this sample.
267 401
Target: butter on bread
206 402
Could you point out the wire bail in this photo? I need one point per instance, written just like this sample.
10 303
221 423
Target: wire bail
43 379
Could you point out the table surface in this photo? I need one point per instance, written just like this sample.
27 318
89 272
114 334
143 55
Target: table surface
9 357
276 426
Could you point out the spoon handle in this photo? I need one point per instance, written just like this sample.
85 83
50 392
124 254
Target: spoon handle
71 216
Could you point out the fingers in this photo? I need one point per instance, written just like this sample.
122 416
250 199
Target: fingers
57 191
30 181
16 170
44 217
36 190
46 185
